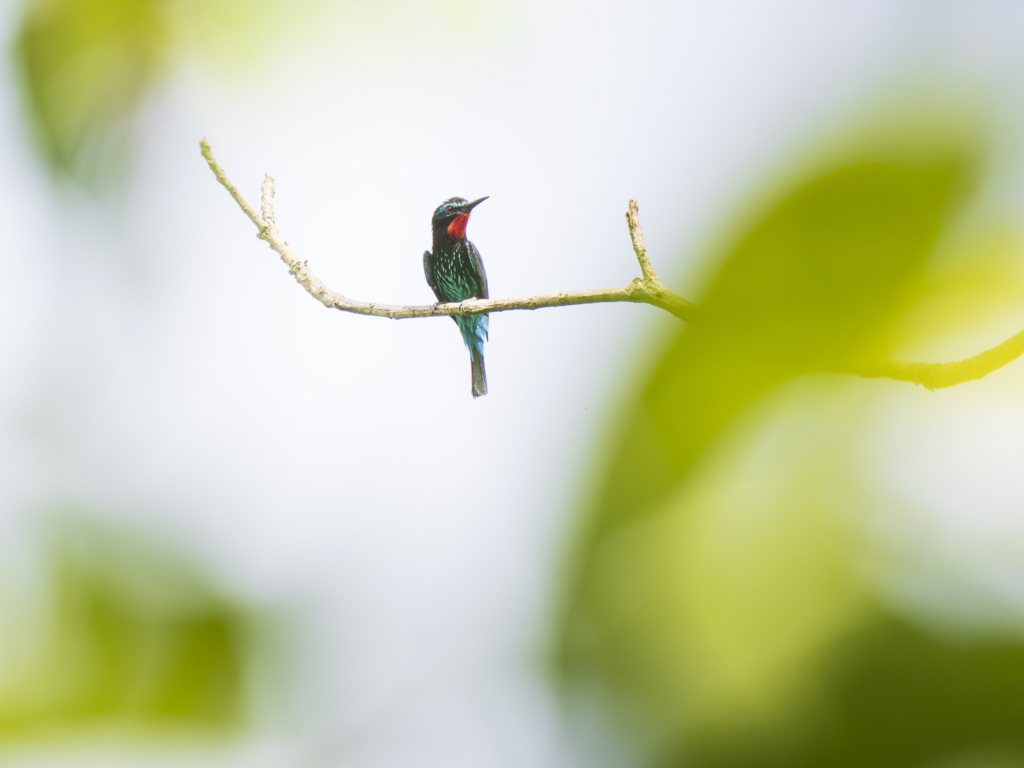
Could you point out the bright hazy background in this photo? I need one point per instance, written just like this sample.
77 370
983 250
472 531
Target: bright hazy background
239 530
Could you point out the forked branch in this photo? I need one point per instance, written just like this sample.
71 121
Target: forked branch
647 289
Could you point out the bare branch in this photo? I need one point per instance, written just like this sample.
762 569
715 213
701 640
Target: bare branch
648 290
643 290
942 375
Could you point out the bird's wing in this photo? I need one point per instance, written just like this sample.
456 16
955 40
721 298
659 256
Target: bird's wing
478 269
428 272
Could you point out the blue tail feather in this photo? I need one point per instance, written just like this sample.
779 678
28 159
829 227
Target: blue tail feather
474 333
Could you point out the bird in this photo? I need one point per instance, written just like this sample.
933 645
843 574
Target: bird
455 272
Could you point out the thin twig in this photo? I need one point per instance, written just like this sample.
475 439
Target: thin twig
942 375
204 146
637 236
643 290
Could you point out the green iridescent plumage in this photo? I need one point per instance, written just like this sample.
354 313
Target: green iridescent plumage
455 272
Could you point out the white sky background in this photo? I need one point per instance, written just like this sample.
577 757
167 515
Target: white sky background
161 368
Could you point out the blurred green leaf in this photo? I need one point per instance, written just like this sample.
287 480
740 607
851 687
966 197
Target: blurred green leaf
86 66
816 285
137 639
897 697
229 35
718 600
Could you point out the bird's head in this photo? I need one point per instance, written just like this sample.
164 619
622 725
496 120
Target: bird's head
452 216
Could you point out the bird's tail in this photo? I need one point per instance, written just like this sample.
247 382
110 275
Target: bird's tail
474 333
479 375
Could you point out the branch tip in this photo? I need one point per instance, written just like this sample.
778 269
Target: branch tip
218 172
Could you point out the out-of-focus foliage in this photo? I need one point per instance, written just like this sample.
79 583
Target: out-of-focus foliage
724 599
136 640
86 65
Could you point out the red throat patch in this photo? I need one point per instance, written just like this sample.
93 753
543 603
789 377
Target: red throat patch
457 229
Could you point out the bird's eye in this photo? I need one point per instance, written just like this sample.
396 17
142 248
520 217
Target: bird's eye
446 208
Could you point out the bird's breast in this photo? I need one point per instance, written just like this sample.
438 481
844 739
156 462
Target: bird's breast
453 272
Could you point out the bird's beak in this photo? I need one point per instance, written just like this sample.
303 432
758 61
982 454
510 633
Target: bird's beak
475 203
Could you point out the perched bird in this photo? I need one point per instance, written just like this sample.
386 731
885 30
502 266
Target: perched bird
455 272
